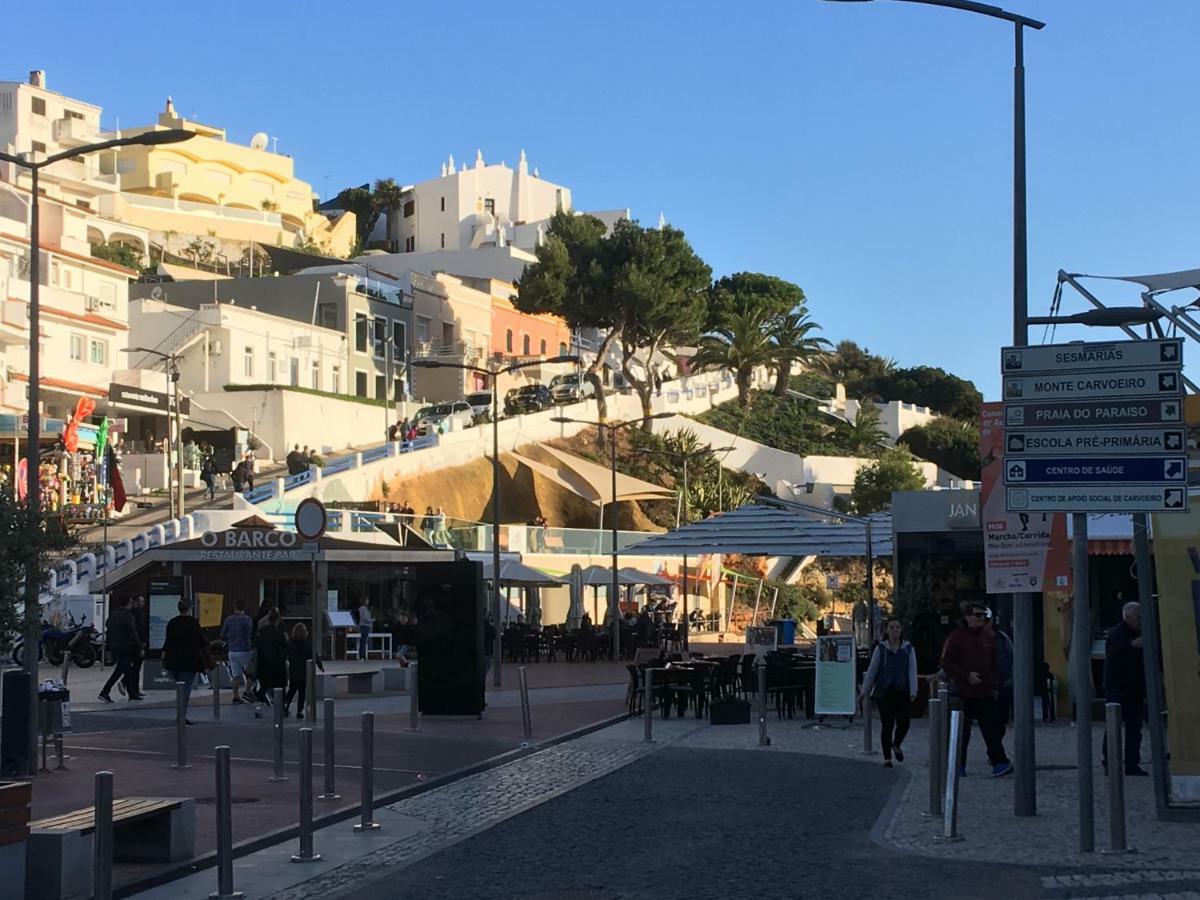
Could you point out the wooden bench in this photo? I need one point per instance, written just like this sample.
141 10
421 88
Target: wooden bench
359 681
145 830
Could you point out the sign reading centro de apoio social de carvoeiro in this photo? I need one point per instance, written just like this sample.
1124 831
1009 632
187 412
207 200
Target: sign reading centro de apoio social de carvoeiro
1095 427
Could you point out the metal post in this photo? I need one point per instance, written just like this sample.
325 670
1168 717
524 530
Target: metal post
497 608
935 758
414 700
316 639
367 777
215 679
526 721
311 696
224 807
1116 778
868 730
277 777
1081 680
181 757
330 792
306 853
648 706
687 625
102 838
33 500
174 376
943 740
1152 659
763 740
950 808
615 600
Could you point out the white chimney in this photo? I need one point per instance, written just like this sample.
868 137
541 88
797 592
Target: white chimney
37 77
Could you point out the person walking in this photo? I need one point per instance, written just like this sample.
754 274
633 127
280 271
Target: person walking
237 631
366 622
891 681
1125 683
299 652
185 652
968 660
121 636
441 534
208 474
271 648
428 524
1002 668
133 685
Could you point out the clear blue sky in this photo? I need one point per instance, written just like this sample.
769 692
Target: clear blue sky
862 150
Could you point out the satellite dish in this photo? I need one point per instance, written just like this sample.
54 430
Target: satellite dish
259 141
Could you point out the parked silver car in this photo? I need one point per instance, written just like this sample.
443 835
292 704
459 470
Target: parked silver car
453 416
571 388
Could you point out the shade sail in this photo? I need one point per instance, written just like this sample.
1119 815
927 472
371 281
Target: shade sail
517 573
646 578
1166 281
592 481
767 531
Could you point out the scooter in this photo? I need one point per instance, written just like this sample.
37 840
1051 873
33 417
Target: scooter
54 644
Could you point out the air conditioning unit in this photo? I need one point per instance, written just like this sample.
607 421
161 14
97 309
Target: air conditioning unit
214 348
91 303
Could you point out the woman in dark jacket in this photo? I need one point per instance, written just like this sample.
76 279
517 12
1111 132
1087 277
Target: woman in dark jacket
185 651
299 652
271 644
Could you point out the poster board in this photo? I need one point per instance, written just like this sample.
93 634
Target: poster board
163 601
210 608
762 640
836 686
340 618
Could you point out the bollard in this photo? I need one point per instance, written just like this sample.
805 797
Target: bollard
648 703
224 808
216 692
944 738
306 799
1116 779
367 779
414 702
277 703
181 758
102 838
935 759
310 674
763 740
330 791
950 807
526 722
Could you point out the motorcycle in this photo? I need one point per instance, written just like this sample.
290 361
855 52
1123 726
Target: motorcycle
54 644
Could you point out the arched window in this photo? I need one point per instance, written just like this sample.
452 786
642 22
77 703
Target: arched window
562 348
525 345
543 350
508 340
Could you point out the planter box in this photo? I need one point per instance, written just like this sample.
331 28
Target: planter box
14 833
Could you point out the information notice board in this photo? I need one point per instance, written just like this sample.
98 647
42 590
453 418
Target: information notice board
163 599
836 676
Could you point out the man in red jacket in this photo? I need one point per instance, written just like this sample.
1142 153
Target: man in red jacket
967 659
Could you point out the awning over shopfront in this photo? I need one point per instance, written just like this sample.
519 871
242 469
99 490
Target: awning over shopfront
520 575
767 531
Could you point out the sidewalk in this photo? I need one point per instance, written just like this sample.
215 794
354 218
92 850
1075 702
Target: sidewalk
1032 857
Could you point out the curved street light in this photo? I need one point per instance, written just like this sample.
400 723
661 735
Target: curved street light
613 428
494 374
33 486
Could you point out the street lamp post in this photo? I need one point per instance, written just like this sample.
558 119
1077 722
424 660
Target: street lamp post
683 458
615 587
33 487
175 493
1025 789
494 374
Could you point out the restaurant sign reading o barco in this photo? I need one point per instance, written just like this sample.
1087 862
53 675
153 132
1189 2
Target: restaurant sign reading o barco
247 544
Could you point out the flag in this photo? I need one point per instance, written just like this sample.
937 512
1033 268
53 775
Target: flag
102 437
84 408
113 472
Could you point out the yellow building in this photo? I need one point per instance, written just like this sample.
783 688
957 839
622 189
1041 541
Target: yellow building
212 198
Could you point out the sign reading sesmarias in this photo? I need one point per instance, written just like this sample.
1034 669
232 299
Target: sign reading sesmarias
1094 427
246 545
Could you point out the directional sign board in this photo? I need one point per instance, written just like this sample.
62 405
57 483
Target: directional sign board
1094 427
1097 498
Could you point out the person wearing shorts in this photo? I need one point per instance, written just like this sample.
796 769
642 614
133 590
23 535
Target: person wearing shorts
238 633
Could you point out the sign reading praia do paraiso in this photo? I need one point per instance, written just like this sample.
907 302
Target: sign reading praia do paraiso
1094 427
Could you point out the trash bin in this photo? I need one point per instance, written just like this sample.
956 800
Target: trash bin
54 711
787 631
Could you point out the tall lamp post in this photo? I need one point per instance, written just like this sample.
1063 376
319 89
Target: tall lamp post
615 587
494 375
33 488
176 467
1025 789
683 459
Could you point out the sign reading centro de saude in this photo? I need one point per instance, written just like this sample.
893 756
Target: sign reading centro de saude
1094 427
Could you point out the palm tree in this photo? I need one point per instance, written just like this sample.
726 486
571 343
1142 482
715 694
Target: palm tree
865 436
790 338
741 346
387 199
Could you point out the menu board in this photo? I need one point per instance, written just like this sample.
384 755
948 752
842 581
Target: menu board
836 675
163 602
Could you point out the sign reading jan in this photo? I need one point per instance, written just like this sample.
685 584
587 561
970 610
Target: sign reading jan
1110 470
1092 356
1089 413
1093 441
1103 385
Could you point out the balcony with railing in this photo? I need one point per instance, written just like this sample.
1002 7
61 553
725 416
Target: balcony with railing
467 353
74 132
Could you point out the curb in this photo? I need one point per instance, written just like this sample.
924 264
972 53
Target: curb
292 832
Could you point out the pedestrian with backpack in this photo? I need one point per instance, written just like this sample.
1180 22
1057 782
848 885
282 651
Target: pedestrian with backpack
891 681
